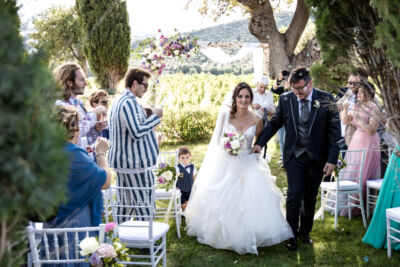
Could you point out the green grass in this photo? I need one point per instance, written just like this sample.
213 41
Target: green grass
331 248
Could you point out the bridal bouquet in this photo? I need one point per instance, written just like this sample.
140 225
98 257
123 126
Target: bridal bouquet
104 254
165 175
234 142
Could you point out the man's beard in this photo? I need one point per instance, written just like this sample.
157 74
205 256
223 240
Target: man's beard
77 91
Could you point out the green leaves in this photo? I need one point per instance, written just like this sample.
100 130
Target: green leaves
34 166
105 33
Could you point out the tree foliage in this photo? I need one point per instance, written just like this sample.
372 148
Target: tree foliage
58 32
263 26
105 34
366 34
33 165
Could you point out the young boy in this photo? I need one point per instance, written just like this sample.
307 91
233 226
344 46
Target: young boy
187 173
100 98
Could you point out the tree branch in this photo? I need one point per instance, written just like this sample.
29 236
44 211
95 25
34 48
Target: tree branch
296 27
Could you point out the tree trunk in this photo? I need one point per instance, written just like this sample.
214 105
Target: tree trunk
114 77
282 45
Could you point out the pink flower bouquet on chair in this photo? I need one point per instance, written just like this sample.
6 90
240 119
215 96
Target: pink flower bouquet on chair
234 142
105 254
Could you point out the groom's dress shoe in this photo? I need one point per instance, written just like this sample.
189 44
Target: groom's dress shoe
292 244
307 240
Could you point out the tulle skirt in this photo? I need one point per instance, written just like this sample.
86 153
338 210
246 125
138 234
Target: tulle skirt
236 205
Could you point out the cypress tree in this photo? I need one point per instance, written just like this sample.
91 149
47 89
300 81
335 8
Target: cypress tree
33 163
106 39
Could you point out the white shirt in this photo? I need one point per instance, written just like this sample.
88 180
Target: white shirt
186 167
265 100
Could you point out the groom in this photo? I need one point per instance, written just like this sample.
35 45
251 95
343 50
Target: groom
311 148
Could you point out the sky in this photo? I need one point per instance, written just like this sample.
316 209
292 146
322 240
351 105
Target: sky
145 16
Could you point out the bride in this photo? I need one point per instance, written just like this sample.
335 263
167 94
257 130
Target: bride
235 203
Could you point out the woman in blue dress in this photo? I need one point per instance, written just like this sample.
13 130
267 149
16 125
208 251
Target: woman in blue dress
389 197
85 181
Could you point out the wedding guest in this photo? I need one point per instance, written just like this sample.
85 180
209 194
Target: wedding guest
73 82
311 149
349 94
134 149
389 197
85 178
263 103
365 117
100 98
187 174
85 181
280 86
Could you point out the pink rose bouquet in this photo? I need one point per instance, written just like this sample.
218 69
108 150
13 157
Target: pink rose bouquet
234 142
105 254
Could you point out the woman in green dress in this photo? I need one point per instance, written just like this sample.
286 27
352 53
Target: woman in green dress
389 197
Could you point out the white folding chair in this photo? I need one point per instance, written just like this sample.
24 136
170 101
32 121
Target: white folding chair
392 214
376 184
348 184
142 233
62 242
171 158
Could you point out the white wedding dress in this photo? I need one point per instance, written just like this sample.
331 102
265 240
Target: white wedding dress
235 203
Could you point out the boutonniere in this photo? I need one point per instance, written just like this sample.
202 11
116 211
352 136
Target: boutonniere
316 103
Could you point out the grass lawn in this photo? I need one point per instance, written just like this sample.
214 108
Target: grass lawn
331 248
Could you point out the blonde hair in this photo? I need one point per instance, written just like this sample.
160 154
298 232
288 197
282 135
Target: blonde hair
68 116
64 73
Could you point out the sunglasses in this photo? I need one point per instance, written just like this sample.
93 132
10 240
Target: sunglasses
104 102
146 85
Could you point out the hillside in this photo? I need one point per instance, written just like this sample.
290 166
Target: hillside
236 31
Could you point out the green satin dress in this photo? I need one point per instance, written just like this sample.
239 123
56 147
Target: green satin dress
389 197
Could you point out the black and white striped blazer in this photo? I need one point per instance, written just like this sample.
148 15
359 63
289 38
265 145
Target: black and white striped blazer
132 138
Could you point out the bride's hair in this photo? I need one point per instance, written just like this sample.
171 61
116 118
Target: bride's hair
236 92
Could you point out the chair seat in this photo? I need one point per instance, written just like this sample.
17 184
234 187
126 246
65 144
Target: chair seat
163 193
343 185
375 184
393 214
138 231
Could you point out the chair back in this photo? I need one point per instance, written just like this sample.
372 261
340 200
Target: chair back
60 245
169 157
123 199
355 166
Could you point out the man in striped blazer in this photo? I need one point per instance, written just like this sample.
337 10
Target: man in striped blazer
134 148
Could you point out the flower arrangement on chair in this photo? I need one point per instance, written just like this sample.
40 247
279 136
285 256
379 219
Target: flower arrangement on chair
341 164
166 175
105 254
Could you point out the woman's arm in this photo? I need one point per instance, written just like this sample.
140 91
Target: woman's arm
372 126
102 162
101 147
345 117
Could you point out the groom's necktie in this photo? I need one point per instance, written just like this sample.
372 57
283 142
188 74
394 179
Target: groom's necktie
305 113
